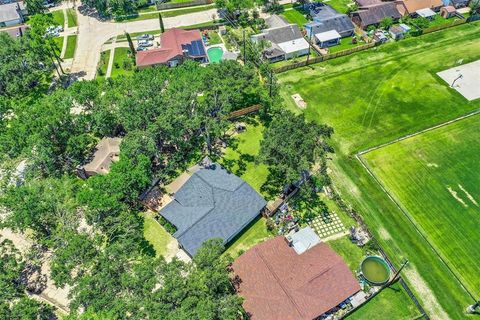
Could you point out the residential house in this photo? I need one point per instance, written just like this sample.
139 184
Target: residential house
176 45
448 12
295 278
106 152
373 13
326 19
211 203
410 7
284 40
12 14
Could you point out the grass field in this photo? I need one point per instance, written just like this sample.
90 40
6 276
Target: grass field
253 234
376 96
71 46
120 56
156 235
72 18
435 177
58 17
239 157
295 16
392 301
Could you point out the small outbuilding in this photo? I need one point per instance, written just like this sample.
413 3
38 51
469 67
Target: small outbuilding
396 32
448 12
328 38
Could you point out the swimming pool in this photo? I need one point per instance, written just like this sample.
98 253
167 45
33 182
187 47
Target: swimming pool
215 54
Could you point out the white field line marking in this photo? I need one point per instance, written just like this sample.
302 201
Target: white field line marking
455 195
469 196
468 115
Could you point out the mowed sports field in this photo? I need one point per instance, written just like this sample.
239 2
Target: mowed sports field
377 96
435 177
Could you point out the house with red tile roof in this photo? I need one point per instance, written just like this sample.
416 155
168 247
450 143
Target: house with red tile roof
176 45
277 281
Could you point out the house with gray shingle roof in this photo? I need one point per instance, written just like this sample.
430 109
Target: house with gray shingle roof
325 19
212 203
285 41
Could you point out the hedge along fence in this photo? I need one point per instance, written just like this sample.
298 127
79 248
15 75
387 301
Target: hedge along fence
324 58
163 6
443 26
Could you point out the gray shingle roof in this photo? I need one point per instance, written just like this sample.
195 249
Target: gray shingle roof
213 203
281 35
341 23
375 14
9 12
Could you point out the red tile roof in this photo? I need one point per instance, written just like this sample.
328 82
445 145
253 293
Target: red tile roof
277 283
171 42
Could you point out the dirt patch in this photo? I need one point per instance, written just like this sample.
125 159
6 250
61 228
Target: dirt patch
383 233
299 101
469 196
430 303
455 195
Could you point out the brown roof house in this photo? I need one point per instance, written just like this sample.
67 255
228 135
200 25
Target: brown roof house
372 12
410 7
106 152
293 278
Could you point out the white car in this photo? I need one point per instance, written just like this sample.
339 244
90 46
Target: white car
145 37
145 43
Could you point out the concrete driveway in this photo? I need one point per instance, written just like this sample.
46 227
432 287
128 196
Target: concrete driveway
92 34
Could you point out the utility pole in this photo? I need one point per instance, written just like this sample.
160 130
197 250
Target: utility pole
471 309
244 48
271 82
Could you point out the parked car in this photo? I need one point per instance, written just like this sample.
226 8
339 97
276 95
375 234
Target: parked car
145 43
145 37
48 4
141 48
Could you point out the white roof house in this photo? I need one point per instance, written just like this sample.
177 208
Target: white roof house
328 36
426 13
297 45
11 14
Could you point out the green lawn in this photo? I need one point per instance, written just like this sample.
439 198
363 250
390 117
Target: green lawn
392 301
345 44
72 18
214 38
103 64
71 45
295 16
121 61
435 176
339 5
239 157
58 17
350 252
373 97
59 44
156 235
253 234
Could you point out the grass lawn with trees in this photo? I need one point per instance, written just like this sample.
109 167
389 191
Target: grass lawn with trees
373 97
240 155
122 62
253 234
434 176
103 64
58 17
156 235
166 13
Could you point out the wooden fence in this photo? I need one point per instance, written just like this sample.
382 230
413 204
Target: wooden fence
444 26
323 58
244 111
